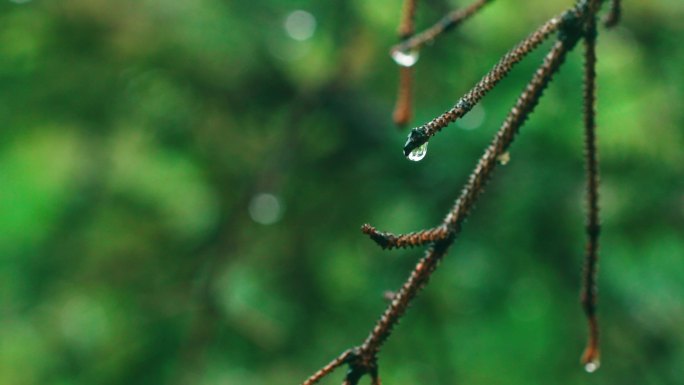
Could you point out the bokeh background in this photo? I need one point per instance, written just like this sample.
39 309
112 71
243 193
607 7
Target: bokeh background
182 185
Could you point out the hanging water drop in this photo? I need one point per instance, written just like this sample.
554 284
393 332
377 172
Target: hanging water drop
405 58
592 366
504 158
418 153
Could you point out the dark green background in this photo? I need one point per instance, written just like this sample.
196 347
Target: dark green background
135 134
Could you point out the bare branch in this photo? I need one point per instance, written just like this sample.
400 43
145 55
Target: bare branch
575 23
447 23
419 238
486 165
408 17
327 369
422 134
614 14
403 110
591 355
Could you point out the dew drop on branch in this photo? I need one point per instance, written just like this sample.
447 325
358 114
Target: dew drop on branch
591 366
418 153
405 58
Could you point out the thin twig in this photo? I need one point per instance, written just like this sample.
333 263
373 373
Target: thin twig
403 110
366 354
447 23
614 14
408 17
504 137
591 355
394 241
362 360
483 170
327 369
422 134
409 44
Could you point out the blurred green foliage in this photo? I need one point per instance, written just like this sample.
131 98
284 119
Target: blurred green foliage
182 184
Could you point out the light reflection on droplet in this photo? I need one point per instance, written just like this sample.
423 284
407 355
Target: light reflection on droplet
473 119
591 367
418 153
265 209
300 25
405 58
20 1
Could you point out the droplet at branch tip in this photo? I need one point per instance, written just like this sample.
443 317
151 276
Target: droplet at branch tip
405 58
416 138
418 153
591 359
591 367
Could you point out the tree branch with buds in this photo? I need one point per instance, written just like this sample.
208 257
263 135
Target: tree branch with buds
575 24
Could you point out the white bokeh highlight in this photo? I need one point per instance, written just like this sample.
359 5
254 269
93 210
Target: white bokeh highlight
265 209
300 25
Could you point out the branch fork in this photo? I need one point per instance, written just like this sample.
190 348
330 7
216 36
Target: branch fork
577 23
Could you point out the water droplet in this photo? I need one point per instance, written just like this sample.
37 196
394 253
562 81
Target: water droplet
418 153
504 158
405 58
592 366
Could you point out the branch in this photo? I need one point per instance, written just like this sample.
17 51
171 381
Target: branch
614 14
591 356
327 369
578 22
422 134
406 52
419 238
406 27
403 111
363 359
447 23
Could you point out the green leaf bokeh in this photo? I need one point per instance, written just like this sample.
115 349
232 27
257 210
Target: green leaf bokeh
137 245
